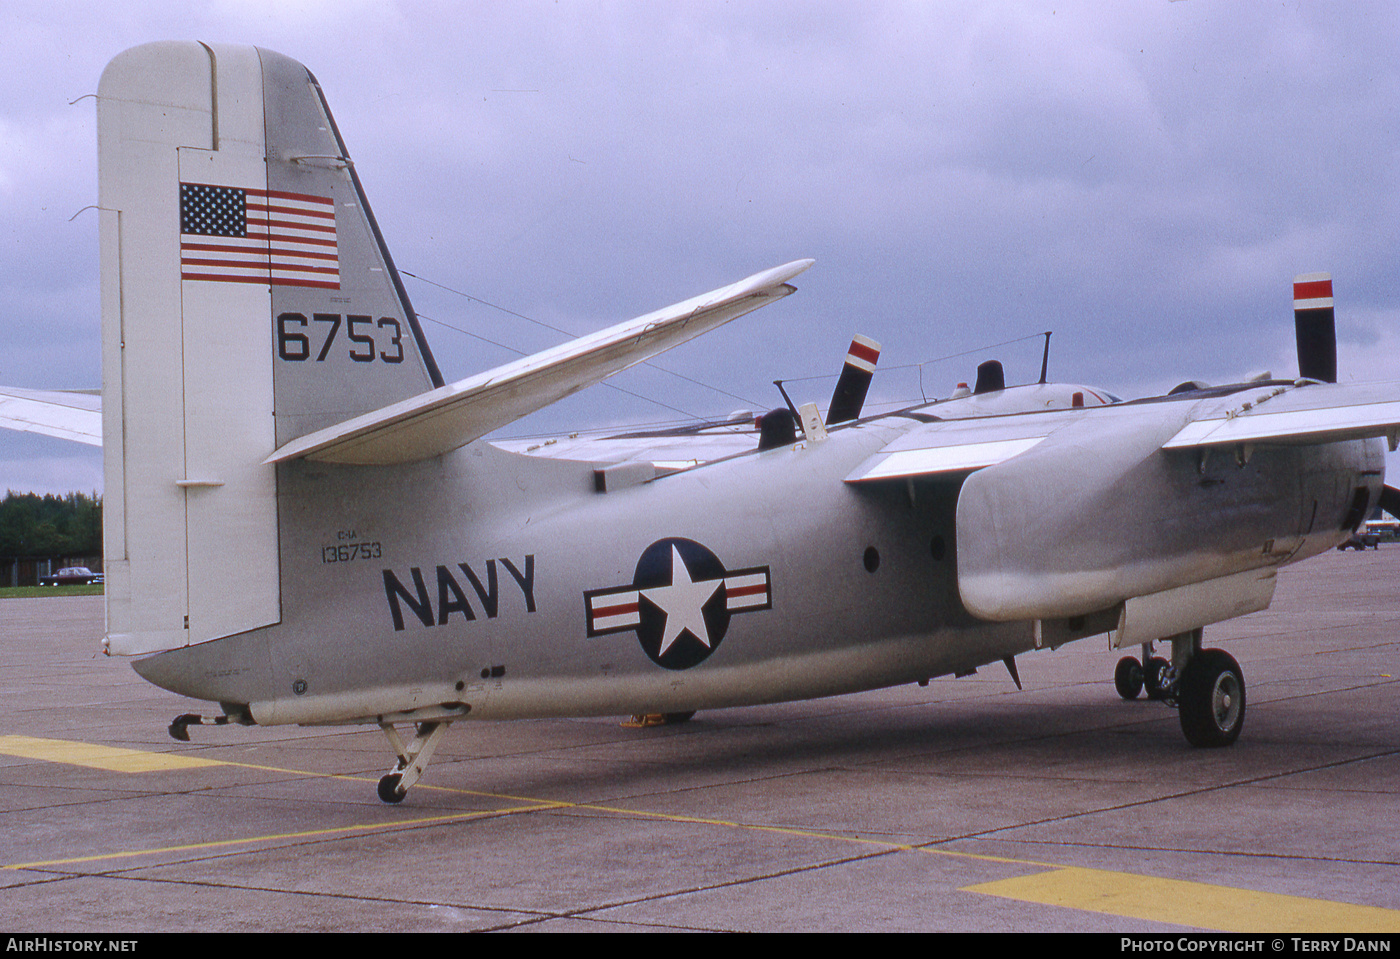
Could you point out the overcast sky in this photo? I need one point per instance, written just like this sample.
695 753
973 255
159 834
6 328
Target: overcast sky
1143 178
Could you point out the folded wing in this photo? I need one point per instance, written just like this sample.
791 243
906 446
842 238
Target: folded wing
67 415
451 416
1315 413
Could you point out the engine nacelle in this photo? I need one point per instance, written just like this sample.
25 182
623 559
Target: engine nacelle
1098 514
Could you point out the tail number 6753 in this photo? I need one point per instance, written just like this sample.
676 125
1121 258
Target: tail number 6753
369 340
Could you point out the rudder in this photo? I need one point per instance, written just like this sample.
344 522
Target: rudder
247 299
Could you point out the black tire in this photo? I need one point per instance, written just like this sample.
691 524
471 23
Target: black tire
1212 699
389 789
1154 678
1127 678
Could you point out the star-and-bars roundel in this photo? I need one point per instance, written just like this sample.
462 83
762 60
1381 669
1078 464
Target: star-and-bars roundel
679 602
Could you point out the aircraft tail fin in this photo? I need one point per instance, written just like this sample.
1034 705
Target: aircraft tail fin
247 299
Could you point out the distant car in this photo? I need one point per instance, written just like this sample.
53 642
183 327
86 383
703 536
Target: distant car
1362 539
71 576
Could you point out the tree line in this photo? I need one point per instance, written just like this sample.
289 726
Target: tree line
49 526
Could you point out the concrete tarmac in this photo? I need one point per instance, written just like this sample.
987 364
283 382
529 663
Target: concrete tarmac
964 805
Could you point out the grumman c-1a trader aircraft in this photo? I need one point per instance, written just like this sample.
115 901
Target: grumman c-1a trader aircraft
304 524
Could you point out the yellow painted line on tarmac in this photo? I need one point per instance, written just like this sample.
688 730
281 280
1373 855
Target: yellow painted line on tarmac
117 759
1183 903
1179 902
211 845
111 758
1206 906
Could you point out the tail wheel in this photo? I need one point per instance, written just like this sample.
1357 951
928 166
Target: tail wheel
389 790
1212 699
1127 678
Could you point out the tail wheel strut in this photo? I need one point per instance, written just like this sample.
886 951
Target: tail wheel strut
412 758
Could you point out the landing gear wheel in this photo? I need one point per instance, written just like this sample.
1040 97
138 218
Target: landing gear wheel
648 720
1127 678
1212 699
389 791
1154 678
412 757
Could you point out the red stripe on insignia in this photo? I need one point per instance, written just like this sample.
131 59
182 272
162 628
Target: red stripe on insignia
747 590
606 611
1315 290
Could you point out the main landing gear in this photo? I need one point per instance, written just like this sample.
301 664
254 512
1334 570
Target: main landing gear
1205 685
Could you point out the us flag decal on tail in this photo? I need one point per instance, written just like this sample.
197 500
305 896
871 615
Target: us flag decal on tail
242 235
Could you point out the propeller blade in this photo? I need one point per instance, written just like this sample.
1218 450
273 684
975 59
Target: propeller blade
1390 500
849 396
1315 325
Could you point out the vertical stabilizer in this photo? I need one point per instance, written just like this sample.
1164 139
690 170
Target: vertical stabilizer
347 341
246 299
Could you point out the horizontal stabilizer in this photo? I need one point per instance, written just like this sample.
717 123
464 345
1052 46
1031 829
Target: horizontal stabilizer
66 415
452 416
1317 413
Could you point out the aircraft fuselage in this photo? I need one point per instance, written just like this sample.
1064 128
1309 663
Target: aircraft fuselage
486 584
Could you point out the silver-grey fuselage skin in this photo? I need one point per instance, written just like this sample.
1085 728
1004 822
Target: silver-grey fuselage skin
863 578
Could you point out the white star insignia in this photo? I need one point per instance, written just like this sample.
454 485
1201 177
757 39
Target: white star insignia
683 602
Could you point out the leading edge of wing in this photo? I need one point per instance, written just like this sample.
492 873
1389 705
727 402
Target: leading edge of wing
452 416
67 415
